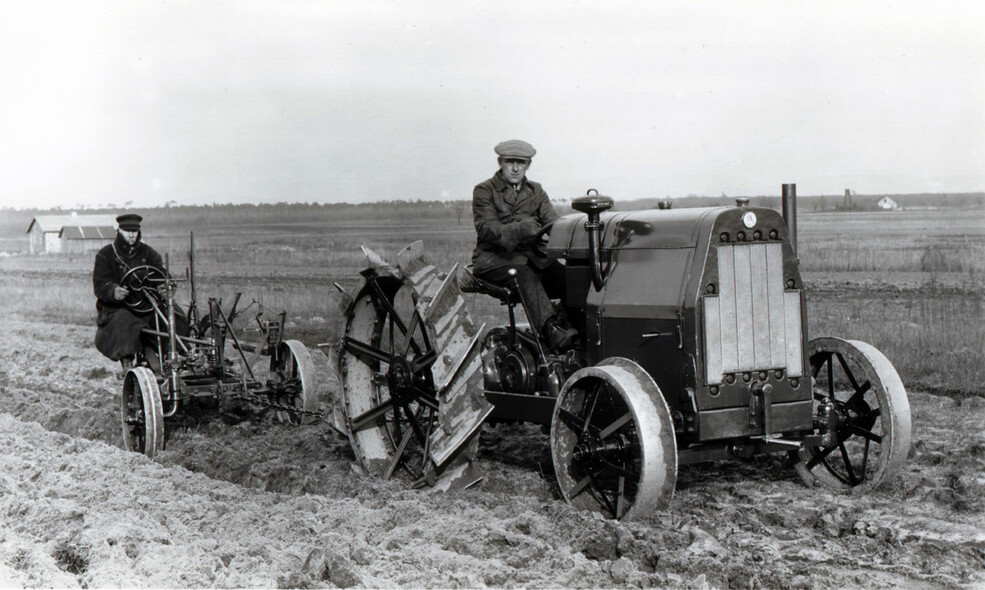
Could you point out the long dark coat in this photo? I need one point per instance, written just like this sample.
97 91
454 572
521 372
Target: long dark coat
118 328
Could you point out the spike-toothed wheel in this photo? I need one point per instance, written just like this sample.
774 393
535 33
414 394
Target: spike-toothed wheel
410 370
390 396
870 417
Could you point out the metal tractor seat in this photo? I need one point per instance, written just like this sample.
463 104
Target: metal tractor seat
469 283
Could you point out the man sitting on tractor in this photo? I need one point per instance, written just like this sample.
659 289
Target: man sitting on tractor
117 326
511 214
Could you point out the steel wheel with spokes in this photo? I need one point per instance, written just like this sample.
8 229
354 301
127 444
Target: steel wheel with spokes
293 375
871 420
143 418
613 442
386 357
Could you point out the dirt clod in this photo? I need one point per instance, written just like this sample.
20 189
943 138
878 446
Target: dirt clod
262 504
621 569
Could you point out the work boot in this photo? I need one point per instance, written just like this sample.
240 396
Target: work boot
558 339
127 364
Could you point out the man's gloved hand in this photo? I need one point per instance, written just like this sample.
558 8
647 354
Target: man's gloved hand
120 292
162 289
529 228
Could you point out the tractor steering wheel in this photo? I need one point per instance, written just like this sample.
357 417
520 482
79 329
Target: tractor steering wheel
139 280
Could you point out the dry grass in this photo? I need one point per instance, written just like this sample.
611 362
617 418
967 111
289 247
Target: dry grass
935 338
868 257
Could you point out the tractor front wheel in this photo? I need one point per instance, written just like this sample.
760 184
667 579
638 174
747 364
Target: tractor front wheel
612 441
869 415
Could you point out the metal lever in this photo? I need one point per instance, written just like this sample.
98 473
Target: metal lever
764 391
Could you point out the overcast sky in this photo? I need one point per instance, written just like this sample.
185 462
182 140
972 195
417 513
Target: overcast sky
266 101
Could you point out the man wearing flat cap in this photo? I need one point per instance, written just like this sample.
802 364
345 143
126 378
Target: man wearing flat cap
117 327
510 214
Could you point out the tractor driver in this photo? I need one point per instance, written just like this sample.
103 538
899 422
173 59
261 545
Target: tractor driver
117 327
510 213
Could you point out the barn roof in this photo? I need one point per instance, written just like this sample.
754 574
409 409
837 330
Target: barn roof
55 223
87 232
887 203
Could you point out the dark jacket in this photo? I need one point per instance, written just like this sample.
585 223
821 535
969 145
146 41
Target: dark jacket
498 211
112 262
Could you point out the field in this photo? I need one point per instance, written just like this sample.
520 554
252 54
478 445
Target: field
252 503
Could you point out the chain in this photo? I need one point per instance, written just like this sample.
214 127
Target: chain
262 401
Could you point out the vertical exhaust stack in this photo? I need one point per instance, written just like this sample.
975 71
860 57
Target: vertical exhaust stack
789 211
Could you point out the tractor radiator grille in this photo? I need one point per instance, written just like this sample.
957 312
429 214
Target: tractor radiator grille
753 323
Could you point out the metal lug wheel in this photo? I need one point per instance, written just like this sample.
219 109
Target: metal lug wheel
869 415
386 358
613 442
293 368
410 370
143 419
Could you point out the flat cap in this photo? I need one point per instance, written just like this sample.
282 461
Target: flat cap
514 148
129 221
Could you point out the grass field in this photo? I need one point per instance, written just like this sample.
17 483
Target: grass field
908 282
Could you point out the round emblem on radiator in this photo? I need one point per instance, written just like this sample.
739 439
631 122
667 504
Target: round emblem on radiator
749 219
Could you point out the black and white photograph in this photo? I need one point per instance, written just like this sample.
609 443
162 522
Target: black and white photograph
492 294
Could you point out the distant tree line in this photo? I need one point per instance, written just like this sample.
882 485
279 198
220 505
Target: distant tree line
14 222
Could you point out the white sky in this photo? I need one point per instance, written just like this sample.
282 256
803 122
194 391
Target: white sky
266 101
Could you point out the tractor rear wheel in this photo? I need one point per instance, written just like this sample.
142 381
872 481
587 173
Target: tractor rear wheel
143 418
389 393
409 368
871 417
612 441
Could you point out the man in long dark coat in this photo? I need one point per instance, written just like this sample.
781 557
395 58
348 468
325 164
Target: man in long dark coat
117 327
510 212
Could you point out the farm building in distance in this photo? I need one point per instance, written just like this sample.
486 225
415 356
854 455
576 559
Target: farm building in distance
71 234
887 204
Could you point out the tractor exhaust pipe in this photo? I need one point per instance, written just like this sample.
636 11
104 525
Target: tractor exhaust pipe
789 211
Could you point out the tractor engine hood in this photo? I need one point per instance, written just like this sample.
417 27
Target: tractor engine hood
630 230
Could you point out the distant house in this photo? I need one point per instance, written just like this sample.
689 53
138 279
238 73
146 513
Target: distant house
888 204
53 234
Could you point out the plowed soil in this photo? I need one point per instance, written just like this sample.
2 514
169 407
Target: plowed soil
245 502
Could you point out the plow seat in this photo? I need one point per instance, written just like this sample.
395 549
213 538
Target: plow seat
469 283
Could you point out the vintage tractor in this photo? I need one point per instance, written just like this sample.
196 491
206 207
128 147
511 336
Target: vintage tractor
693 348
193 360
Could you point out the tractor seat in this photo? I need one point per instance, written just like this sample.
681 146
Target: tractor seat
469 283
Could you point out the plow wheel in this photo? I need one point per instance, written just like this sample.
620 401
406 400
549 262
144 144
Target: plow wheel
612 441
293 369
871 417
143 418
406 358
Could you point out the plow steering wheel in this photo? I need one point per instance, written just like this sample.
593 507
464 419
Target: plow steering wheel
139 280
